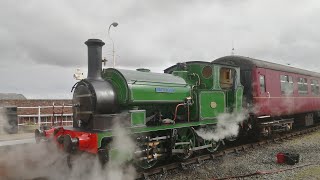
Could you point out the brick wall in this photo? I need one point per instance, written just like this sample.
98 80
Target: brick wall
39 102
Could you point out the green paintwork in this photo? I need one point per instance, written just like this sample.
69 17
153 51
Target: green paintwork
194 109
138 117
205 83
136 87
216 77
119 83
230 95
144 92
192 74
206 99
182 74
234 100
140 90
239 96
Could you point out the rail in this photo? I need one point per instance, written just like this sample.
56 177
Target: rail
236 149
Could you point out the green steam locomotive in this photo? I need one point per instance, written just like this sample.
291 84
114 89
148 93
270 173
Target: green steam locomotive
159 111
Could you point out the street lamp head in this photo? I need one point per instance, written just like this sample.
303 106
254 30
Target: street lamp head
114 24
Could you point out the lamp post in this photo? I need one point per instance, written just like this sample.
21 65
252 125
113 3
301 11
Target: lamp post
114 24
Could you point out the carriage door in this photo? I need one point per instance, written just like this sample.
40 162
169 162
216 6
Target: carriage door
263 98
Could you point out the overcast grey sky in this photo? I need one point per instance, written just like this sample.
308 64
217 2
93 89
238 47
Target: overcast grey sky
42 42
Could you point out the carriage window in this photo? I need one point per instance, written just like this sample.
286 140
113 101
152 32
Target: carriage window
286 84
315 87
226 78
302 86
262 84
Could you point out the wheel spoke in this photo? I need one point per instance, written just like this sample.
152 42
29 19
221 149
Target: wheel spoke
185 135
145 164
215 144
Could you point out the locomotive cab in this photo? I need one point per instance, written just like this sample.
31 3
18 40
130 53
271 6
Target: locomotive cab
229 82
216 87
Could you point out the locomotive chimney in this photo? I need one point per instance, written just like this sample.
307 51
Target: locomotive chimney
94 58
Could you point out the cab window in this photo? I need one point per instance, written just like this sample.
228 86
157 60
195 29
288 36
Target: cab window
226 78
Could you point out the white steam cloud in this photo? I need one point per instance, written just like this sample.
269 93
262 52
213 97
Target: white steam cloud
45 160
30 161
124 145
3 120
227 126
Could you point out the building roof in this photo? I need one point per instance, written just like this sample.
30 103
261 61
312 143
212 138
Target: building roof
11 96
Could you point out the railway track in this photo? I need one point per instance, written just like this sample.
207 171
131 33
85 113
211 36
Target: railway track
199 159
211 156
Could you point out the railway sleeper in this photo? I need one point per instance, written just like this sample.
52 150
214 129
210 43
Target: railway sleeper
146 176
200 161
183 166
165 172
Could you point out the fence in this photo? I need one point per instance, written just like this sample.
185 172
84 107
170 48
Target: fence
30 118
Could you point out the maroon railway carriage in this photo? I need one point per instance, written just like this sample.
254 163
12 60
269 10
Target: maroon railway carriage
278 96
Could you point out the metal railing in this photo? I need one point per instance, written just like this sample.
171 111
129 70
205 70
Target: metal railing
39 119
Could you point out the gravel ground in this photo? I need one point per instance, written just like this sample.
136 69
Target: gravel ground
259 159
